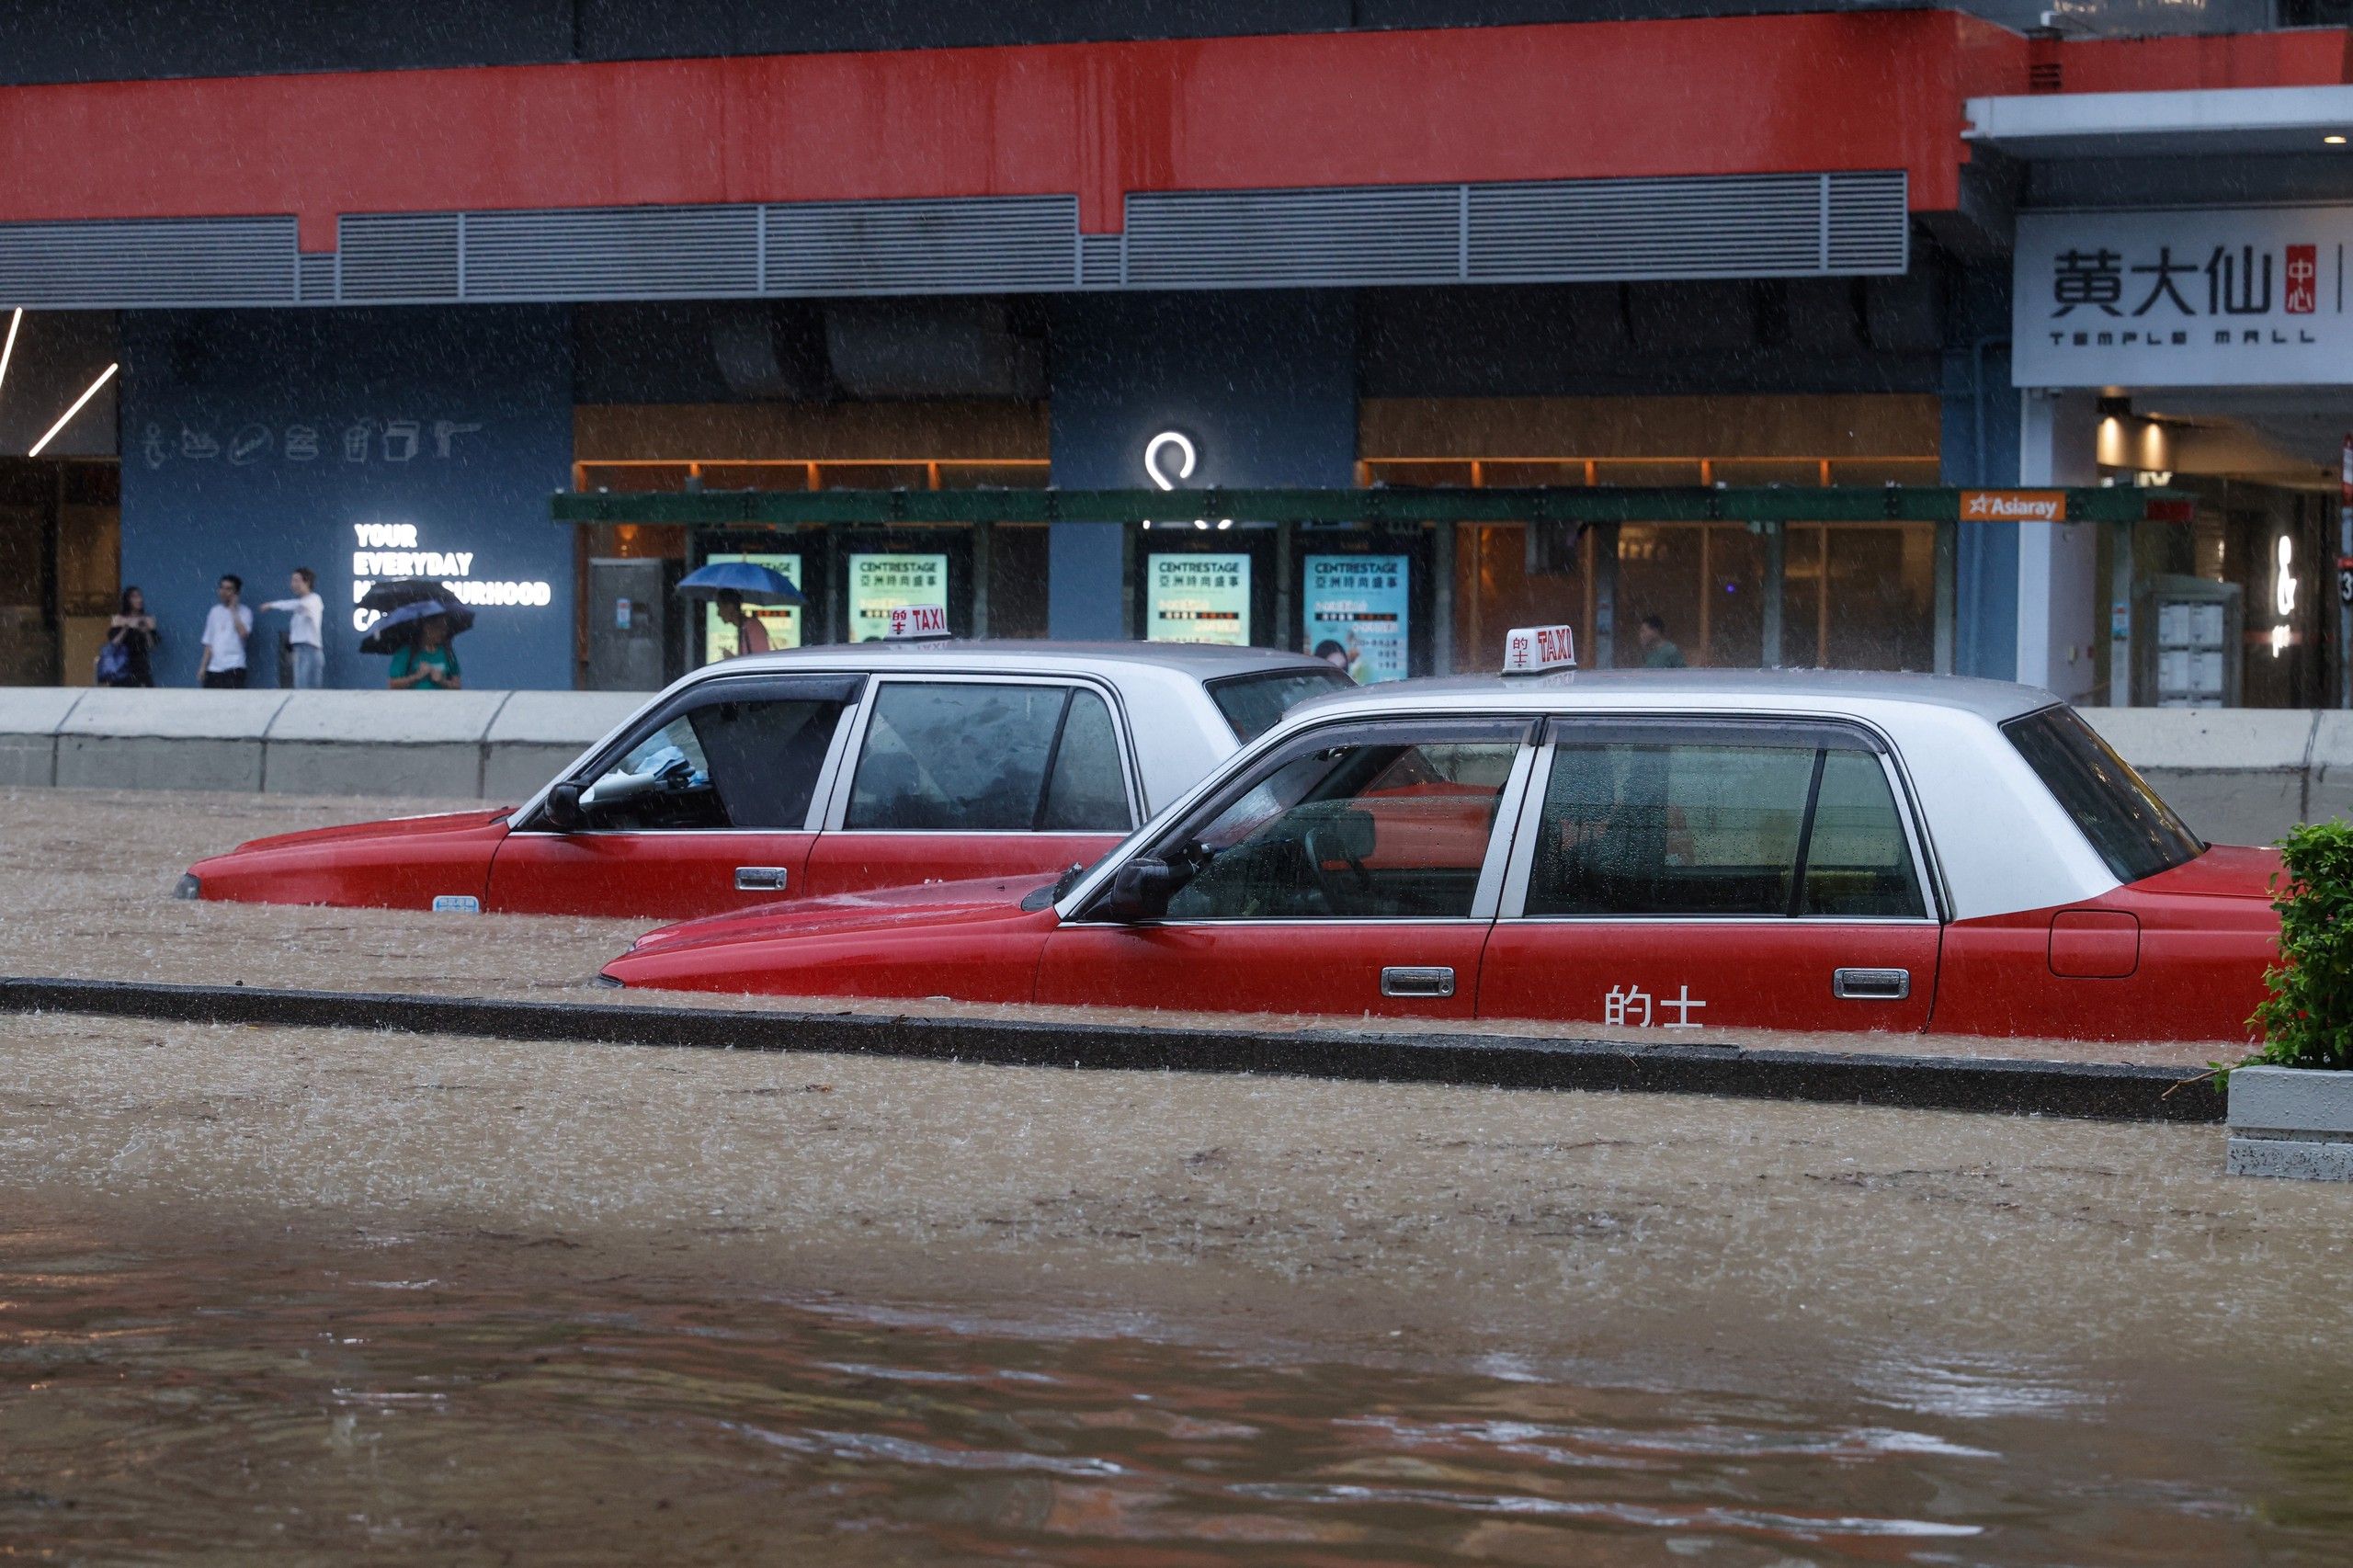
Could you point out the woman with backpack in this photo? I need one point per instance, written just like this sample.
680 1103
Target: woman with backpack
127 657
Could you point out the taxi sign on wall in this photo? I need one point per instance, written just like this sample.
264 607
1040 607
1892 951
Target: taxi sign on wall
1529 649
916 620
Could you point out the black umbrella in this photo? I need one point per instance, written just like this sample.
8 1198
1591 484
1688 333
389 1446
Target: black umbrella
398 628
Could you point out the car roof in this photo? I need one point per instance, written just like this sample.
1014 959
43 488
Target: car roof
1806 691
1202 661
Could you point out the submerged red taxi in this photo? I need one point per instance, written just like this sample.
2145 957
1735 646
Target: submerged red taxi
816 772
1670 849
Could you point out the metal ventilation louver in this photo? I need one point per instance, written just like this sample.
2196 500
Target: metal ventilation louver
981 244
1101 261
1731 226
1869 222
315 279
147 262
1359 235
613 252
399 258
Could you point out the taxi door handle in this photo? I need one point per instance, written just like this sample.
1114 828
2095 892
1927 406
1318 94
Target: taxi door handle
1870 985
1410 980
760 879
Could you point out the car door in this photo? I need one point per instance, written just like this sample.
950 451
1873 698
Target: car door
957 777
1352 871
1685 875
705 807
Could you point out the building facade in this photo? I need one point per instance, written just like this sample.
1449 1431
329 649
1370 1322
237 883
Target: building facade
368 301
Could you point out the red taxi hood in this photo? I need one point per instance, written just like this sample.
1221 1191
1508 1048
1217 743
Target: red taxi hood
930 905
2225 871
391 827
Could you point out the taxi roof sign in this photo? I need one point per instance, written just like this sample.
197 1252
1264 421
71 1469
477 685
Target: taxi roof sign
1530 649
907 621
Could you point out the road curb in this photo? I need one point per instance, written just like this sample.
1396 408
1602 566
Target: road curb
2094 1091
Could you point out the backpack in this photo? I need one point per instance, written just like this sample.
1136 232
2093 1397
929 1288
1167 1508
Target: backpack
114 664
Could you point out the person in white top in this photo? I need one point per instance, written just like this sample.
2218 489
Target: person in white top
302 632
226 627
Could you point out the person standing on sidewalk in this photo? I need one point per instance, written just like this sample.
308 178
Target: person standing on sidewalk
222 664
130 641
302 632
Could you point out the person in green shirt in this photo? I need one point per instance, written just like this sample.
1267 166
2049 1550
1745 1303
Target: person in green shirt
429 664
1658 653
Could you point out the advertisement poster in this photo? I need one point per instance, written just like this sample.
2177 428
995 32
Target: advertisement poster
881 583
1196 597
1355 614
783 622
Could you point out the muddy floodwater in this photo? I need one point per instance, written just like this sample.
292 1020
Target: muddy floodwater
286 1295
272 1294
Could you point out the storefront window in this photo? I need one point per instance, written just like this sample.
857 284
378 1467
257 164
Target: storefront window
1859 596
1705 581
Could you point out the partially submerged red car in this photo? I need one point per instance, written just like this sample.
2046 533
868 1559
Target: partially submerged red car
816 772
1671 849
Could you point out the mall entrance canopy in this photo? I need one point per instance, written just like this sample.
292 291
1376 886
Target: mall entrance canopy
1556 521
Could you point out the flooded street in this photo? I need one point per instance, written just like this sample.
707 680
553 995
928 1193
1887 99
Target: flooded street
292 1400
279 1294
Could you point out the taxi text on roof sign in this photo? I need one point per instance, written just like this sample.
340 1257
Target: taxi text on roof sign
1528 649
2013 505
917 621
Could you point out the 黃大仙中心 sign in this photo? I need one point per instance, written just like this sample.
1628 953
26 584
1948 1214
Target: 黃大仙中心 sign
2253 296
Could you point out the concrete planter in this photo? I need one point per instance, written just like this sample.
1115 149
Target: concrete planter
2291 1122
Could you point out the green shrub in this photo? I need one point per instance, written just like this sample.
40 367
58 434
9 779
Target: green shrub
2307 1021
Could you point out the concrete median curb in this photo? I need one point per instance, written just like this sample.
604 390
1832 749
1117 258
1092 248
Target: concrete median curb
499 745
2094 1091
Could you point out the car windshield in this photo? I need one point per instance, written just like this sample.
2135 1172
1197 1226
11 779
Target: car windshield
1252 703
2135 832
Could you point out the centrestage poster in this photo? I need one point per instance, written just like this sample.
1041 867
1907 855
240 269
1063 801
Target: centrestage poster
1355 614
783 622
880 583
1197 598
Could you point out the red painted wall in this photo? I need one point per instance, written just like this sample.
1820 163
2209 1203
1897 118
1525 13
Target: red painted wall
2311 57
1716 96
1710 96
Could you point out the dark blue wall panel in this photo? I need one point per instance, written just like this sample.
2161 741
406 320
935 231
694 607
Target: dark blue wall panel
254 441
1263 384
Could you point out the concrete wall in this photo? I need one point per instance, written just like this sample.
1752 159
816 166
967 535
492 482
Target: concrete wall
499 745
2239 775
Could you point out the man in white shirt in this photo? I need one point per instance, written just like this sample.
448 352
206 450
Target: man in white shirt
223 663
302 632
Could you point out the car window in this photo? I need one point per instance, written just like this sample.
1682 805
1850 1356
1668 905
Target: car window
1858 861
1252 703
1635 828
2134 831
974 757
1389 824
1089 791
746 764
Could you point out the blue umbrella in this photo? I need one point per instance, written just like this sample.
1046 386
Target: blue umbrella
746 579
400 626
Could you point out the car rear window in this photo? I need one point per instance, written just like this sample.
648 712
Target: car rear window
1252 703
2135 832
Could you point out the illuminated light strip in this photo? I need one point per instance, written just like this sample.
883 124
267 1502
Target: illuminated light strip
67 417
9 347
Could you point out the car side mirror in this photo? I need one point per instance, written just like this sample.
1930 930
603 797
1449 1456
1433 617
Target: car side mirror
1141 889
564 810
